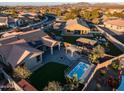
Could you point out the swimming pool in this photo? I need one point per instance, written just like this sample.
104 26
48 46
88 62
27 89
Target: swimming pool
79 70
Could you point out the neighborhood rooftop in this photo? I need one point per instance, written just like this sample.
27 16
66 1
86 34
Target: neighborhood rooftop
76 24
117 22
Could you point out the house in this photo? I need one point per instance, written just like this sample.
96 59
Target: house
20 53
3 21
26 48
76 27
115 24
14 32
115 11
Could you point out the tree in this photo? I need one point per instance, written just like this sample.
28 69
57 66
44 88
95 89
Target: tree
96 53
53 86
116 66
71 83
22 72
90 15
72 14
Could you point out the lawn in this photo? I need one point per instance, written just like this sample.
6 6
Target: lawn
49 72
70 39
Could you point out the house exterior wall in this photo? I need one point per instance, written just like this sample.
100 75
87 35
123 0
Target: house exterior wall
32 63
4 23
114 27
81 32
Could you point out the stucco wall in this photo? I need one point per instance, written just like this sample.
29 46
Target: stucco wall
31 62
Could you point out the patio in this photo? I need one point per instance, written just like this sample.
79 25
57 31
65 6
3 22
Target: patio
60 56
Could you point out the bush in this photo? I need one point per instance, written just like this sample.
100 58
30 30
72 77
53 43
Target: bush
22 72
53 86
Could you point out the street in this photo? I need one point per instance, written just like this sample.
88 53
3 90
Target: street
115 35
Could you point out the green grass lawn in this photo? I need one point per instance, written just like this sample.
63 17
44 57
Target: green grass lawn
70 39
49 72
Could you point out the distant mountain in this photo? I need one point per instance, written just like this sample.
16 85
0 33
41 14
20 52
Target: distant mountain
65 4
84 4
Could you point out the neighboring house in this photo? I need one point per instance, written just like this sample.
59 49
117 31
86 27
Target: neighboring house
26 48
11 22
28 14
9 34
115 24
21 21
3 21
76 27
115 11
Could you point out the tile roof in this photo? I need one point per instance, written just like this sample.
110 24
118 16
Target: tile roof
117 22
28 36
8 34
17 55
16 52
76 24
26 86
48 41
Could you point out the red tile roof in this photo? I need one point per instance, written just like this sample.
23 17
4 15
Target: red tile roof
26 86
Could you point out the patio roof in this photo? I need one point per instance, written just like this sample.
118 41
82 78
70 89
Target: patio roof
73 48
48 41
86 41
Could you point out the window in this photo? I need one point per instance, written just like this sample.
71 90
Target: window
38 58
77 32
68 31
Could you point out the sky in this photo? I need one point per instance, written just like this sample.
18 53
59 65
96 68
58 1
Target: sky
54 2
62 1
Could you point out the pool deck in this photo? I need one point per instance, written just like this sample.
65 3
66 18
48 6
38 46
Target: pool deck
80 69
62 58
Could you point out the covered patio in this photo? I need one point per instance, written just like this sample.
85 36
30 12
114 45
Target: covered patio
73 49
49 42
89 43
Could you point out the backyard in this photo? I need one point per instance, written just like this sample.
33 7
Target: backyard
49 72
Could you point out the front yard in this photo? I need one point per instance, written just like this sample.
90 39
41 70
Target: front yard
49 72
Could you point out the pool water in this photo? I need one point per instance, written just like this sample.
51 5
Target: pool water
79 70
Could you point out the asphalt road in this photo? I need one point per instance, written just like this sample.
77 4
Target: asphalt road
116 35
48 20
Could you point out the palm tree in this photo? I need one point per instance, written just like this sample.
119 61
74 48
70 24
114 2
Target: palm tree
72 83
53 86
